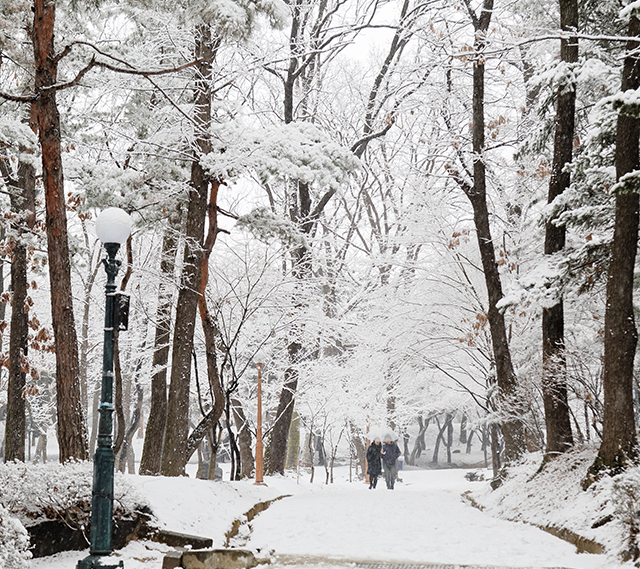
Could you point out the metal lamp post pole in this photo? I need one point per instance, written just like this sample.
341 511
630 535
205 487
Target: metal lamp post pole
259 445
104 460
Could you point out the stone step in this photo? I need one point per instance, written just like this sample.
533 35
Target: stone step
210 559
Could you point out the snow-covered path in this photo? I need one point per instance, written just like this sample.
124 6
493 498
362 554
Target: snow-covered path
424 520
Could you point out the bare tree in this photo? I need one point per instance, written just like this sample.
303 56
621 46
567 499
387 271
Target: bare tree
508 403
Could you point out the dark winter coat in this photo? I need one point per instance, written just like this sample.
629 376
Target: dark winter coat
390 453
374 467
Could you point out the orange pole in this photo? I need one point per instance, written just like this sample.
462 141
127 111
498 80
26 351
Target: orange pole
259 445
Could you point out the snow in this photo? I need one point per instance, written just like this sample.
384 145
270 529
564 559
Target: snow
629 9
554 497
296 151
424 520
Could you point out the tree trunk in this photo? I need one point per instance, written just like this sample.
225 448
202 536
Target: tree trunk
3 304
121 423
23 205
277 456
619 442
177 424
244 439
299 212
126 452
496 463
463 429
419 444
449 442
554 383
360 448
406 452
213 451
84 342
71 428
210 331
440 438
507 402
16 420
470 441
151 460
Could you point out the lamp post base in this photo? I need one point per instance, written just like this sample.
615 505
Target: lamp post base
100 562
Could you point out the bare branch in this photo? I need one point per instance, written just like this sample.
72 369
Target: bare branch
18 98
147 73
322 204
359 146
464 185
74 81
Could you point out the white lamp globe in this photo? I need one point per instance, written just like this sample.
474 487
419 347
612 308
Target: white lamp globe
113 225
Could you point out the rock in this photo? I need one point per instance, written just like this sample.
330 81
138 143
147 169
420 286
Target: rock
218 559
172 560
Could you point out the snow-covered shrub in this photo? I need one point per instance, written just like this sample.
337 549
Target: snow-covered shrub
626 497
14 542
552 499
53 491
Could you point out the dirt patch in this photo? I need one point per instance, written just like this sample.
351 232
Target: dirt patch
246 519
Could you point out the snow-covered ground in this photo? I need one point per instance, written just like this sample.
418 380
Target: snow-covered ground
424 520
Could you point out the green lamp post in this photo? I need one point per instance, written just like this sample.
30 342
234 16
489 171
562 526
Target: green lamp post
113 227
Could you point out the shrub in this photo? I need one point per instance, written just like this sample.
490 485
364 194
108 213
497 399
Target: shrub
53 491
14 542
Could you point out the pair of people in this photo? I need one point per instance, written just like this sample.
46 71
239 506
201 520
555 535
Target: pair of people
381 456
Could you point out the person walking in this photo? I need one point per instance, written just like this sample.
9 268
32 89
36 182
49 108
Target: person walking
390 454
374 464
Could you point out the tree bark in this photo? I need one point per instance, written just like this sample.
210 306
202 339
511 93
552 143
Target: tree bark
210 331
3 305
121 423
177 424
126 452
151 460
84 342
554 382
244 439
277 456
419 445
71 427
23 206
619 441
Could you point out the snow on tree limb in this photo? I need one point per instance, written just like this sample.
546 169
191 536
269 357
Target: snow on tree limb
267 227
295 151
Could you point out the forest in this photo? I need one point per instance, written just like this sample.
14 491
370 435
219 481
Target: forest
402 213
